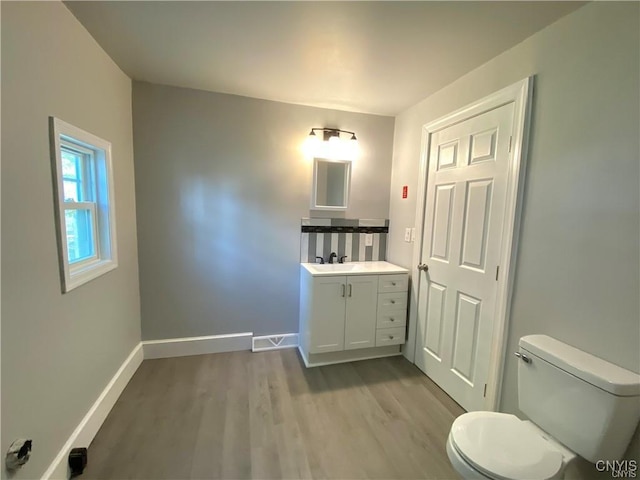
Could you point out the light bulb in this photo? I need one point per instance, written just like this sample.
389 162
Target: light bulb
349 150
311 145
334 147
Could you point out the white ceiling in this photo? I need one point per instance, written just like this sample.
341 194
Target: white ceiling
374 57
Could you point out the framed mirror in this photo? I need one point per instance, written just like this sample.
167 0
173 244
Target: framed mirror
331 181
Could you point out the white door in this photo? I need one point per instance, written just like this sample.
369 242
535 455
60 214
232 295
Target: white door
464 213
360 321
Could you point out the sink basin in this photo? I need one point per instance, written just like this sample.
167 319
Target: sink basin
352 268
335 267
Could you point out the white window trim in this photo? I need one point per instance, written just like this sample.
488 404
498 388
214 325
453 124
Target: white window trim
106 258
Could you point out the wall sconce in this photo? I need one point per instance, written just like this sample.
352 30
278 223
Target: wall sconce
332 146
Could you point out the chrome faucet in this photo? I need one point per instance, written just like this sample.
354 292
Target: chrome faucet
332 256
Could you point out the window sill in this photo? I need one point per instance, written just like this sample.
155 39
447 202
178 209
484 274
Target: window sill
86 273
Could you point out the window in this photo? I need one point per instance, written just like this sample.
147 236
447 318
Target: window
85 204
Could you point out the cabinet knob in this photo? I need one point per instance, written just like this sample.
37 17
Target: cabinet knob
393 284
390 337
393 301
392 319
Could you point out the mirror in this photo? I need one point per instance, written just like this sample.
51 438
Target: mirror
331 179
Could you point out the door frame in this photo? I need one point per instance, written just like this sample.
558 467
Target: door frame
520 93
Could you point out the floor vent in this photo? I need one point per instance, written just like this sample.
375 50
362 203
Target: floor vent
274 342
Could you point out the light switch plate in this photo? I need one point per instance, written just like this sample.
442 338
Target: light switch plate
407 234
413 234
368 239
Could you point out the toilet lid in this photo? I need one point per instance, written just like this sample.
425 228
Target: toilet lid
503 447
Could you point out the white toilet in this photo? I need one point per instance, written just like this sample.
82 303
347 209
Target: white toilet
579 405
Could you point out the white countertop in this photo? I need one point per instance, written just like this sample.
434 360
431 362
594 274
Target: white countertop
352 268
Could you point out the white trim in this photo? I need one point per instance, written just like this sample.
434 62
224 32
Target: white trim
92 421
520 94
274 342
510 238
183 347
314 185
87 272
104 209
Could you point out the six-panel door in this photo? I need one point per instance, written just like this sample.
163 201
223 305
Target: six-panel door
465 205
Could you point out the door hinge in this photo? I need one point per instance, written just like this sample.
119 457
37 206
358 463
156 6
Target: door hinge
510 140
485 390
497 272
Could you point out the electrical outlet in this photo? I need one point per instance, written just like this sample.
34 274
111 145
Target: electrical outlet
368 239
413 235
407 235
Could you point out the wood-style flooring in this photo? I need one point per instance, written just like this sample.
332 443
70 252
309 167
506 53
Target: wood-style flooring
264 415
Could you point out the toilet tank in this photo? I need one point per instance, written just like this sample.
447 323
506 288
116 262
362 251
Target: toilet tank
586 403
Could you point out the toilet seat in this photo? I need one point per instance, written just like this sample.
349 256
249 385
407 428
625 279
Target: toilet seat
503 447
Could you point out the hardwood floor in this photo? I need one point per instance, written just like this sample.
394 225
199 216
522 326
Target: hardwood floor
264 415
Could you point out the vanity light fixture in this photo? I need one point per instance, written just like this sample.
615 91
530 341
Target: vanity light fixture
332 146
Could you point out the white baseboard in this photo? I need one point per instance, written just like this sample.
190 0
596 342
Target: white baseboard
92 421
274 342
182 347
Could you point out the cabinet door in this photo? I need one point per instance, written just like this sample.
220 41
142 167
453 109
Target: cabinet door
360 322
327 315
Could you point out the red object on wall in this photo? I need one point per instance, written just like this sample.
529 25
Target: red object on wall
405 191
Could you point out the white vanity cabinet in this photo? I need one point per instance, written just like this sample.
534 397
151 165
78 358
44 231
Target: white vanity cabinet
340 313
351 311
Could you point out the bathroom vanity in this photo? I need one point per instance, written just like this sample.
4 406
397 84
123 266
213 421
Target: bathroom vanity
351 311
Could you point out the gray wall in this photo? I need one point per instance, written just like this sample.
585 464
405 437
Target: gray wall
221 187
58 351
577 273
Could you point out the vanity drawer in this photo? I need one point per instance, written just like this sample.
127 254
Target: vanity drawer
392 318
393 283
392 301
390 336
